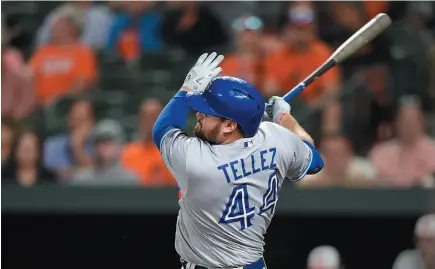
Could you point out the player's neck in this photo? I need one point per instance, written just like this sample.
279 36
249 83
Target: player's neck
233 137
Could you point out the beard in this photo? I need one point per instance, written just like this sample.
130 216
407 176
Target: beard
211 138
197 130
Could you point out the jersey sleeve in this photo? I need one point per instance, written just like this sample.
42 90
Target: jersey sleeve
301 160
174 150
297 157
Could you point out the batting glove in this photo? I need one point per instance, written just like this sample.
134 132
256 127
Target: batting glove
203 72
276 107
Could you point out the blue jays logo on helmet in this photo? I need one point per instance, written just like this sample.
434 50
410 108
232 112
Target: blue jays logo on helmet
231 98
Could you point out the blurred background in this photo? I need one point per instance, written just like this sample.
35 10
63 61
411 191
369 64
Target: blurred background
83 83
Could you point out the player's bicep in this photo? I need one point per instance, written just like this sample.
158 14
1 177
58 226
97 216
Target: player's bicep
304 159
173 149
300 162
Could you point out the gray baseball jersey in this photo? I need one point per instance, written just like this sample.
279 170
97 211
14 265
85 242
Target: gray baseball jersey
229 192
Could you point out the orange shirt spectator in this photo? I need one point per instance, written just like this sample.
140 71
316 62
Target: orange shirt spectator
142 156
63 66
244 66
287 67
302 53
246 62
57 69
145 161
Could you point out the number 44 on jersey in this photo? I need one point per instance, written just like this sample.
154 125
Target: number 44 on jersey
239 210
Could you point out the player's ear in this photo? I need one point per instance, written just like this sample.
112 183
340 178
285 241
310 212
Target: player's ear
230 126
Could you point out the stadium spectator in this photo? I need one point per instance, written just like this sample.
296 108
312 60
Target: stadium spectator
65 153
25 167
18 98
64 66
7 136
97 20
108 138
324 257
408 160
193 27
302 54
142 156
134 30
342 167
423 257
246 62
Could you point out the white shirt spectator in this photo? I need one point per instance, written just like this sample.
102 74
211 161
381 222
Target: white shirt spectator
409 259
423 257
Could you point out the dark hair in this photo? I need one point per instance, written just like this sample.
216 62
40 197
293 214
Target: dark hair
17 142
85 100
240 130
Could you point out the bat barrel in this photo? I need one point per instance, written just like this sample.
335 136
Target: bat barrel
363 36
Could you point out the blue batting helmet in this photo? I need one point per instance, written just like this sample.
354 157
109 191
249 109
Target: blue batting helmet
231 98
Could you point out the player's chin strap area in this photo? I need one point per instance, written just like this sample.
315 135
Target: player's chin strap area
260 264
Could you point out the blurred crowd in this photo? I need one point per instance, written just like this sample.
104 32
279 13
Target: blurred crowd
81 91
422 257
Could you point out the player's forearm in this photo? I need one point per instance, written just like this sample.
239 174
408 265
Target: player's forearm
289 122
173 116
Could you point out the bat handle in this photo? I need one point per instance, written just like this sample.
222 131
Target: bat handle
291 94
295 91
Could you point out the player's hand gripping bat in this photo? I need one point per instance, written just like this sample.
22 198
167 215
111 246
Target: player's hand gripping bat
364 35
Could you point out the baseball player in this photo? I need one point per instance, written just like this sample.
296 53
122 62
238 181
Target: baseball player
231 172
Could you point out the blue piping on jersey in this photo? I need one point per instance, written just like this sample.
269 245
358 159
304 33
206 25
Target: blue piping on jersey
316 163
173 116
